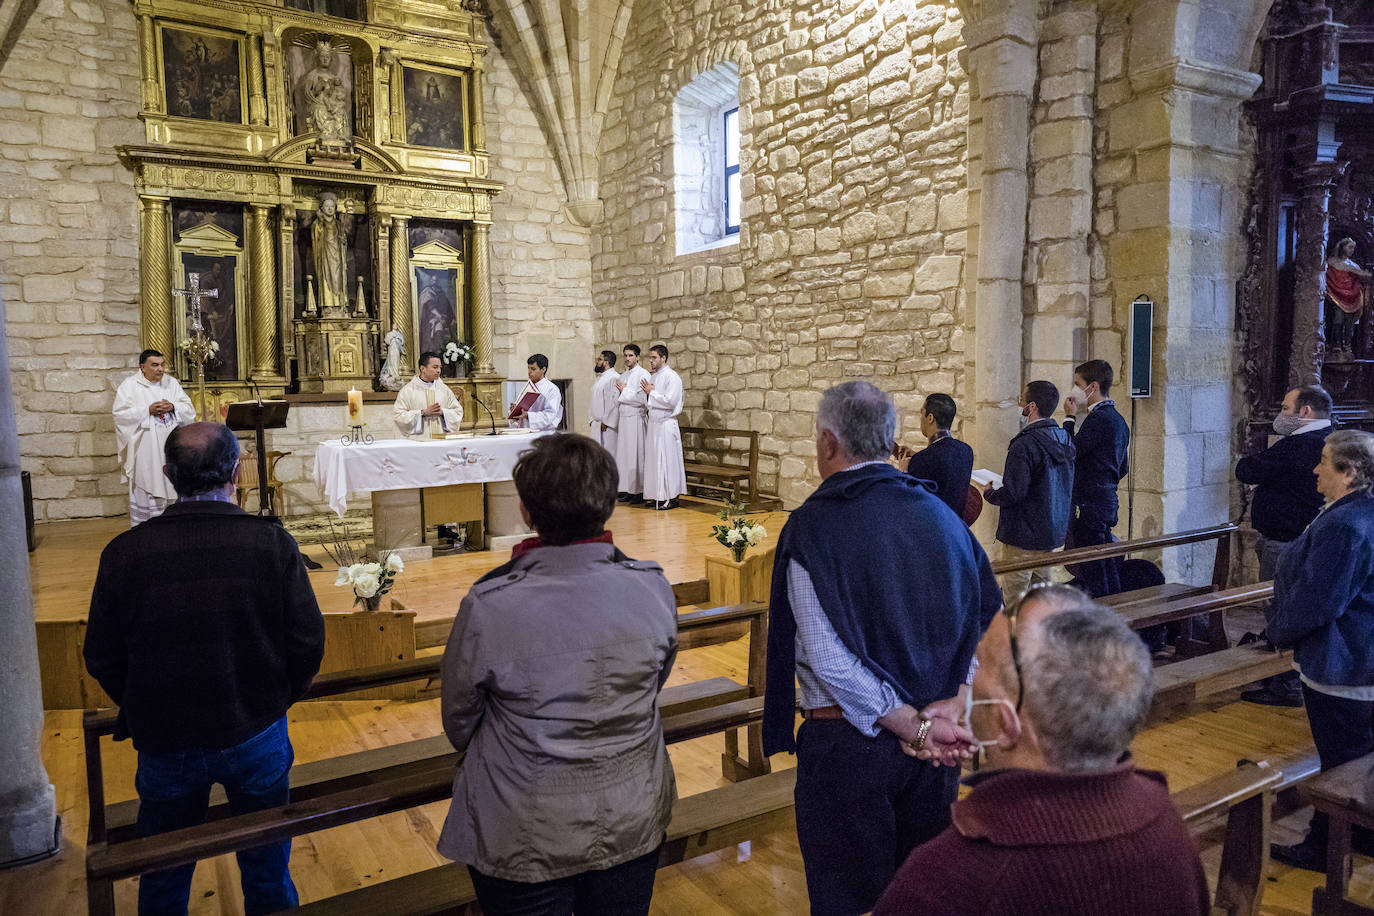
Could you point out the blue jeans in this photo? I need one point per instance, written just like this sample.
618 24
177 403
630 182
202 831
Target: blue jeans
174 792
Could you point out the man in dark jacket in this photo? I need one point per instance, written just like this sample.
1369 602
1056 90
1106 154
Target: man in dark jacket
875 642
204 628
1285 501
1100 444
1037 485
945 461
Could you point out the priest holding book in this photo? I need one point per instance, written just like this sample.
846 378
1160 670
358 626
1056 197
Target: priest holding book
541 405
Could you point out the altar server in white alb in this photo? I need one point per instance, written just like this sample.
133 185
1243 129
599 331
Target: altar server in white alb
665 478
148 405
633 430
604 413
547 412
426 406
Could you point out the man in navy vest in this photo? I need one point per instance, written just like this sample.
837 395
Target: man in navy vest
945 462
882 649
1100 444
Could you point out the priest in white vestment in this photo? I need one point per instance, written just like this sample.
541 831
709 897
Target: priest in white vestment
603 414
632 431
547 411
148 405
426 405
665 478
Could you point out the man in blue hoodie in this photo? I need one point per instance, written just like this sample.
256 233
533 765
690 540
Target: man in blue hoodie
879 645
1037 486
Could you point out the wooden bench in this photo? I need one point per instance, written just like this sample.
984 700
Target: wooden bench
1221 571
725 478
116 822
377 792
1346 794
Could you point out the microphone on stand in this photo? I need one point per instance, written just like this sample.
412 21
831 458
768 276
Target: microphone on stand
489 413
257 389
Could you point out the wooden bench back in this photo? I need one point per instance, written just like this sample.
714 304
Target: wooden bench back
1221 569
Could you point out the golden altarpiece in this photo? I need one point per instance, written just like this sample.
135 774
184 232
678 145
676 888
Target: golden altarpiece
323 164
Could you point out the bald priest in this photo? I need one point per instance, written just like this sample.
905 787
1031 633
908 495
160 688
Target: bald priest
148 405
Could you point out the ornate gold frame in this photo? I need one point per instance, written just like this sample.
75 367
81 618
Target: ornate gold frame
209 240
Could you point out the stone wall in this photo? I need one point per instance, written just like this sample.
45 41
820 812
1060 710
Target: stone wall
69 94
850 257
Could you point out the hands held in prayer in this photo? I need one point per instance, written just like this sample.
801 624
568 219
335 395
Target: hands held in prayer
901 456
645 386
619 386
159 408
433 410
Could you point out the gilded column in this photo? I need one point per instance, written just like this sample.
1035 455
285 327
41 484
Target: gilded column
286 280
481 298
155 277
257 99
261 263
152 98
401 311
479 113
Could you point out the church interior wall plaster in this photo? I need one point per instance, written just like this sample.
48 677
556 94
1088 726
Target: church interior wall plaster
69 94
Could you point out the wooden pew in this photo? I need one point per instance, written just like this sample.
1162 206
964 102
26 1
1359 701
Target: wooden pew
730 476
116 822
1221 570
1346 794
396 788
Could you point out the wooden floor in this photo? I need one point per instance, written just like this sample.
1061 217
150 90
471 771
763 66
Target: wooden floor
765 878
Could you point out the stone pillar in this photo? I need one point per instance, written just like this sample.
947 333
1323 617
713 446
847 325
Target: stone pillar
1002 63
264 299
28 804
479 112
155 277
481 298
257 99
402 313
1309 275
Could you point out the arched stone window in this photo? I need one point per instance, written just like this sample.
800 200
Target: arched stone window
706 184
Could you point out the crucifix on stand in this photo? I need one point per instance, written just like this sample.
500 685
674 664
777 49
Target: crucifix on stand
199 348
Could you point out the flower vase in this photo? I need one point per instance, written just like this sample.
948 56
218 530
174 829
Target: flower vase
738 550
370 604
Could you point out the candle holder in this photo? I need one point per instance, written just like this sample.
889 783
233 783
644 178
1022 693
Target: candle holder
355 436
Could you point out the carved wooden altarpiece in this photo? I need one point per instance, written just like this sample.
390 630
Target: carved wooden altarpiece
1313 185
293 142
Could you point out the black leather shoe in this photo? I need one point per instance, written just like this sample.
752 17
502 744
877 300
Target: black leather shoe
309 563
636 499
1266 696
622 497
667 504
1299 855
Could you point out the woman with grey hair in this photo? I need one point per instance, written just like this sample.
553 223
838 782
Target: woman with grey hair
1323 610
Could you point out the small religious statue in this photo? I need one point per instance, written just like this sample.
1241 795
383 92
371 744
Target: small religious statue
329 230
1347 286
326 101
392 366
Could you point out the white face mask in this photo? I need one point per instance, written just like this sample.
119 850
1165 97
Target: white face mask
968 717
1022 420
1080 396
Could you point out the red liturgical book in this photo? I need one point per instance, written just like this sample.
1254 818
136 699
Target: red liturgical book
527 399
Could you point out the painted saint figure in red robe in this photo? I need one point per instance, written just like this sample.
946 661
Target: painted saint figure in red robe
1347 286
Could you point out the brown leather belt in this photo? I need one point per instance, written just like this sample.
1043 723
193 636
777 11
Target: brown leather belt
823 712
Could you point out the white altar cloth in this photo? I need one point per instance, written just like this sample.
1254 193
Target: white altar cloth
409 464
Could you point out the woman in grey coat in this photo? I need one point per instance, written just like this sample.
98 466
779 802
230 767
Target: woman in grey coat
550 685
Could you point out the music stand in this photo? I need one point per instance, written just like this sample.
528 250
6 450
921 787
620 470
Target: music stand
258 416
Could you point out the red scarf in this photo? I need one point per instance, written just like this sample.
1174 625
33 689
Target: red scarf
535 543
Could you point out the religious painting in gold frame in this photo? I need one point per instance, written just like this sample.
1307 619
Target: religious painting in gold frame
215 254
203 73
436 289
434 101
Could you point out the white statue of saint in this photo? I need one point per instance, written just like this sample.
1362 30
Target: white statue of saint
390 376
326 99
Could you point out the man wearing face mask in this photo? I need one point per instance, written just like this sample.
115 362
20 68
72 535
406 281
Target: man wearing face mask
1065 821
1100 444
1037 483
1285 501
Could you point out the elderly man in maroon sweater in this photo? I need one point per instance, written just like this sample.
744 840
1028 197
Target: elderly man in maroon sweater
1066 826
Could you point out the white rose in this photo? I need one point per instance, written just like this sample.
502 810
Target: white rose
394 564
366 584
760 532
372 569
733 536
343 578
752 535
353 572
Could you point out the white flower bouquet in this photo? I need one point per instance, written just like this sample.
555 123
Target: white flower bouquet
738 533
371 580
456 351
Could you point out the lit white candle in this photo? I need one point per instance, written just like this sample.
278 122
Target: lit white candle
355 407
